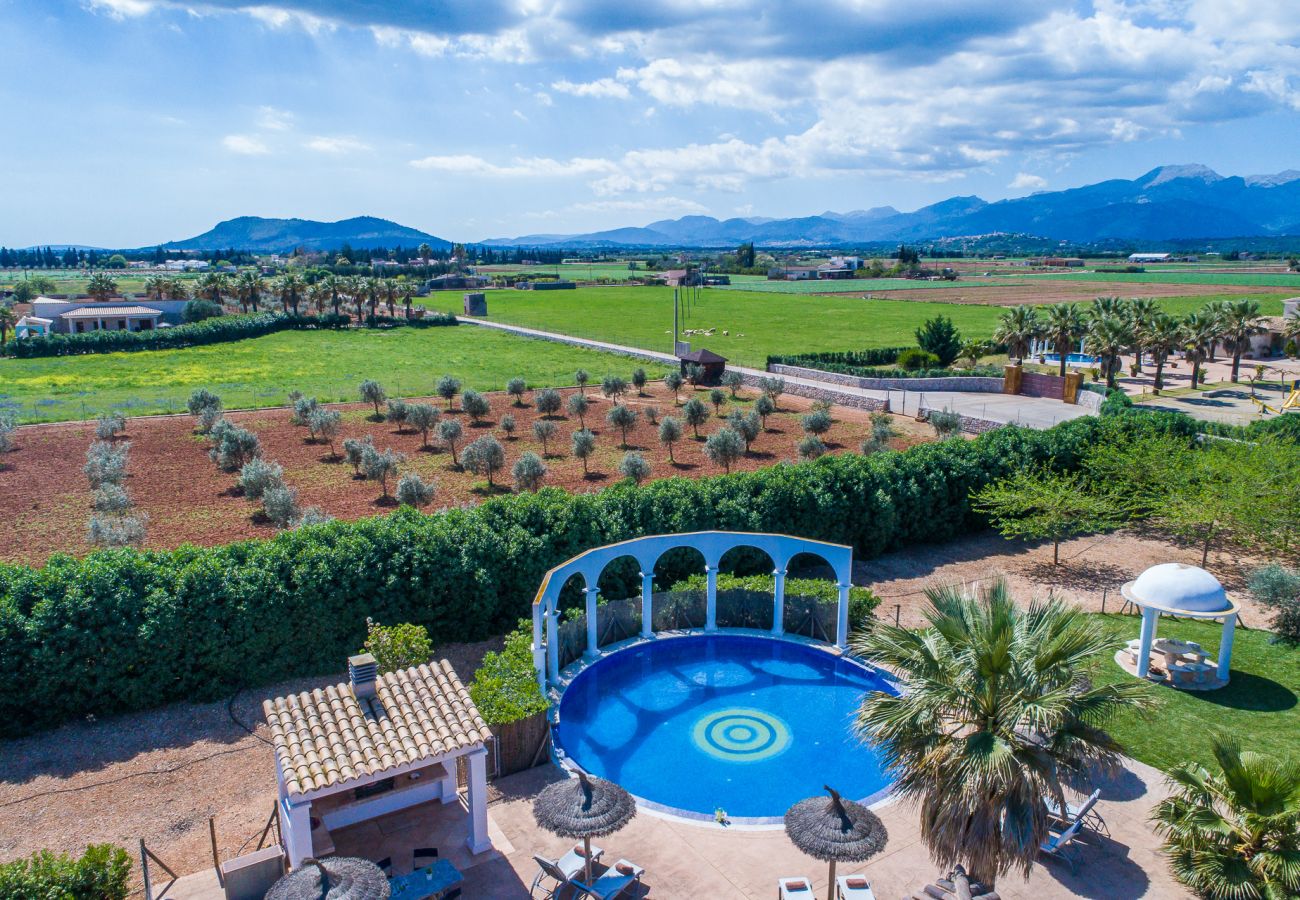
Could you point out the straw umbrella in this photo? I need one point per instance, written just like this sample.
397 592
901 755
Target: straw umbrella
336 878
584 807
835 829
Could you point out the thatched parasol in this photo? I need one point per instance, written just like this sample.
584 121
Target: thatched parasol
584 807
834 829
336 878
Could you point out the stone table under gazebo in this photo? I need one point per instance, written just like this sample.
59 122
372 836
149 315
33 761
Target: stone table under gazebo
1180 590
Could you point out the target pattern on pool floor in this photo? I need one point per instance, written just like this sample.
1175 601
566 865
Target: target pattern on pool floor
741 735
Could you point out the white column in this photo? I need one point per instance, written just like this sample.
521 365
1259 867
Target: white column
553 643
1149 617
593 594
295 830
1225 646
647 604
711 599
539 651
842 625
778 602
478 840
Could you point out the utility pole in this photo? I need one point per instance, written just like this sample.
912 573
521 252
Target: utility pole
674 321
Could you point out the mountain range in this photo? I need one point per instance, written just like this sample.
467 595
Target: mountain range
259 235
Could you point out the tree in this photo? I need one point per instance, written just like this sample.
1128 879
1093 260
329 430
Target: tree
634 466
745 255
8 320
1063 325
233 446
484 456
544 430
249 288
1040 503
1234 832
696 415
747 425
198 309
580 378
7 428
773 388
529 471
818 422
1241 319
324 425
101 286
724 447
372 392
945 422
257 476
578 404
397 647
940 337
670 432
810 446
1016 331
673 381
475 404
583 446
396 412
450 433
639 379
882 429
1200 331
718 398
423 417
613 387
508 426
355 451
624 419
106 463
380 467
213 286
732 381
1160 335
447 388
517 387
1108 337
764 406
548 401
694 374
290 289
109 426
1278 589
998 716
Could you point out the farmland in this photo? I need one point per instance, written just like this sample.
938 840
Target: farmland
45 501
261 371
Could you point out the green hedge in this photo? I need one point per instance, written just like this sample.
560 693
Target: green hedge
103 872
879 356
130 629
209 331
862 601
505 686
875 364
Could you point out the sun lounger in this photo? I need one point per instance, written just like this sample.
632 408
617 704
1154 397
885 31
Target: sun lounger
616 879
794 888
1084 814
1057 845
561 871
853 887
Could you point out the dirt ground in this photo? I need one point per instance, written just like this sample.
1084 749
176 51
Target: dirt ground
1044 292
160 774
45 500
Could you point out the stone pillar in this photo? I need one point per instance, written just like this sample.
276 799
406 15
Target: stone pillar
1149 617
295 829
711 599
1011 377
553 643
842 626
1225 646
778 602
593 650
1073 382
478 840
647 604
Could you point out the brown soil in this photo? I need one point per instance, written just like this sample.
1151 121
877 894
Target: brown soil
46 502
1053 292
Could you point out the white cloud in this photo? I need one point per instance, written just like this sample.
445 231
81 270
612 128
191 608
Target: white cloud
336 146
272 119
677 205
245 144
1024 181
121 9
604 87
534 167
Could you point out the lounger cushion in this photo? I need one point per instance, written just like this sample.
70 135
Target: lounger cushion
625 868
800 885
856 883
579 849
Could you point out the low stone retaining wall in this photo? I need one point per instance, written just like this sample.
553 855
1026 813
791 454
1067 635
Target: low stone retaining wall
973 383
840 398
970 424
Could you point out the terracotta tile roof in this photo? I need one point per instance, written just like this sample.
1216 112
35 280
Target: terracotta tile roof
328 737
95 312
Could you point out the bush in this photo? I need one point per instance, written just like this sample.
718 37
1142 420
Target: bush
547 401
201 399
1278 588
112 499
945 423
810 446
397 647
303 408
475 404
257 475
198 310
101 633
940 338
233 446
529 471
505 686
373 392
109 426
115 531
7 428
517 387
103 872
280 505
484 456
862 601
913 360
818 422
414 491
106 463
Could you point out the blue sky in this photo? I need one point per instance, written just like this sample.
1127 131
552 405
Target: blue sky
129 122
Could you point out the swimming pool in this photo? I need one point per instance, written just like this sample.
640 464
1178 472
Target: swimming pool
746 724
1073 359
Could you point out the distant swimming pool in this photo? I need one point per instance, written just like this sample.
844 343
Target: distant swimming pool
747 724
1073 359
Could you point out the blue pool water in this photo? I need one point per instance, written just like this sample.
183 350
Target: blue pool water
1073 359
743 723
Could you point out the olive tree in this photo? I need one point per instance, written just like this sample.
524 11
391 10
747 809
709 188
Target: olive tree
624 419
764 406
475 404
580 378
109 426
106 463
670 432
7 428
448 387
257 475
724 447
578 404
613 387
397 411
280 506
773 388
639 379
508 426
529 471
372 392
354 451
204 406
484 456
381 467
634 466
811 447
412 490
544 431
450 433
673 381
817 422
548 401
747 425
233 446
423 417
696 415
945 422
583 446
733 381
517 387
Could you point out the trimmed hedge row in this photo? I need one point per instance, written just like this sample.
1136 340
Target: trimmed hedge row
128 629
876 363
880 356
209 331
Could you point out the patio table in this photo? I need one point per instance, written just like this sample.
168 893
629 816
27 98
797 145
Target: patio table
431 881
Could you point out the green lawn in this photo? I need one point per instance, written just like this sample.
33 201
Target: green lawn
866 285
1258 706
759 324
262 371
1266 279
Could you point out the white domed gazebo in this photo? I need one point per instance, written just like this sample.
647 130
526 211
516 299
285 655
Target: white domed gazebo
1178 589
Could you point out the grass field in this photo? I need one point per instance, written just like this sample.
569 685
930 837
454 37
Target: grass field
1276 279
1259 704
760 324
261 371
865 285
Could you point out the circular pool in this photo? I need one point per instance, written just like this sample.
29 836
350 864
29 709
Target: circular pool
746 724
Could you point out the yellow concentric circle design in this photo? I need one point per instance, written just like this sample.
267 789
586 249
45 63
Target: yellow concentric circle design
741 734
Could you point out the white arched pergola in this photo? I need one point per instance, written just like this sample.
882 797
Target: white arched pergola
1177 589
712 545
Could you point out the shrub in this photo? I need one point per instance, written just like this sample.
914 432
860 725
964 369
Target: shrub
325 425
209 416
106 463
732 381
1278 588
397 412
917 358
103 872
862 601
111 499
583 445
373 392
578 404
447 388
517 387
747 425
724 447
764 406
810 446
475 404
940 338
817 423
484 456
634 466
529 471
696 414
505 686
7 428
354 451
670 432
423 417
303 407
547 401
882 429
450 433
233 447
613 387
109 426
414 491
201 399
397 647
545 431
115 531
508 426
639 379
381 467
313 515
258 475
197 310
623 418
945 422
280 505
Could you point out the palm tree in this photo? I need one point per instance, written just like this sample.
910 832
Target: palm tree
997 717
374 293
391 292
249 288
101 286
319 295
290 288
1017 330
1064 325
1214 312
1199 334
8 319
1160 334
408 291
1108 337
1141 311
177 289
332 286
425 252
213 286
1240 320
155 287
1234 834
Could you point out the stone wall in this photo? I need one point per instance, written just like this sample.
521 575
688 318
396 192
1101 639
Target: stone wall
1035 384
956 383
971 424
825 392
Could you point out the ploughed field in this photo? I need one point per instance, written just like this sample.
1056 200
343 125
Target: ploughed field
45 499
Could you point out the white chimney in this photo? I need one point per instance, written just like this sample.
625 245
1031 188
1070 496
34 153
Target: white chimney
363 671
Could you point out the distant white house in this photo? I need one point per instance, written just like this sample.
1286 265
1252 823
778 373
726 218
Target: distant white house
1148 257
81 316
186 265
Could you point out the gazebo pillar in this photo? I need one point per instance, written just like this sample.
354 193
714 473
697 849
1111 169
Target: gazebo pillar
593 641
647 603
778 602
711 599
1225 646
539 651
553 643
842 623
295 830
478 840
1149 617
